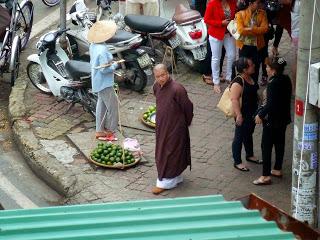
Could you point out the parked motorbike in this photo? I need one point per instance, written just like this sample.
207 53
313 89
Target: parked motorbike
192 32
186 34
52 72
157 34
136 69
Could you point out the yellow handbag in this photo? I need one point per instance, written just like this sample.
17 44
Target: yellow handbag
225 103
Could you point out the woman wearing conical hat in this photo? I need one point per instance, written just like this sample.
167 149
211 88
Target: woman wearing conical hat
107 115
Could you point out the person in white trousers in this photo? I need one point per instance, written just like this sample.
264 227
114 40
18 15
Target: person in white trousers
217 16
143 7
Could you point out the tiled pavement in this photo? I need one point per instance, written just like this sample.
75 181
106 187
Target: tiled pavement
42 129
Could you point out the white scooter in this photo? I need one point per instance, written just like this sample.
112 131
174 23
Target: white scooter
52 72
192 33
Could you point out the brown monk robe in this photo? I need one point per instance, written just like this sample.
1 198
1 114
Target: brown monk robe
174 115
4 21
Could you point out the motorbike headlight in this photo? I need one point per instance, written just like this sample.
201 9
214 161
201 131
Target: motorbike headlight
49 37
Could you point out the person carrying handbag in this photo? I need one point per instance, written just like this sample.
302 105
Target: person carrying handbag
244 89
217 16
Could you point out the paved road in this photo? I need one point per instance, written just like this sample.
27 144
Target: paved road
41 10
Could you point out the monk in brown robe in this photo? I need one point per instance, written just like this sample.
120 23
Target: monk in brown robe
174 116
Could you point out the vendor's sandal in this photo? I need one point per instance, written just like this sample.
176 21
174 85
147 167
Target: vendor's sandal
110 137
100 134
157 190
274 174
207 80
259 181
243 169
256 161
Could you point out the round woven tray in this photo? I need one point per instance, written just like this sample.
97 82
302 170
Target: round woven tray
120 166
149 124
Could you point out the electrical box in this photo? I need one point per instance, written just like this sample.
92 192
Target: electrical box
314 85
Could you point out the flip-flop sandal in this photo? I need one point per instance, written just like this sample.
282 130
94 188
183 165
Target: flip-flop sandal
207 80
243 169
276 175
258 161
108 138
260 182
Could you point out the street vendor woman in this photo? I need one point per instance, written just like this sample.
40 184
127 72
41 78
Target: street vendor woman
107 115
174 116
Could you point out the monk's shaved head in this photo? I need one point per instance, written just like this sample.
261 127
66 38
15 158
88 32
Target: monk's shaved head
160 66
161 74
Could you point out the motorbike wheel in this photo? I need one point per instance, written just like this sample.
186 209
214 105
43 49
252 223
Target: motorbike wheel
187 58
89 101
15 61
23 23
37 78
51 3
137 79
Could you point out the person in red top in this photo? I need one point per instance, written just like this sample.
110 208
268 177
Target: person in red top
217 16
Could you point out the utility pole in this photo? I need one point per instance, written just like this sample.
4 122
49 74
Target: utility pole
63 22
305 194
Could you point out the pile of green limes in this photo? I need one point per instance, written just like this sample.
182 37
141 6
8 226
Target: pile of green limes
147 115
110 154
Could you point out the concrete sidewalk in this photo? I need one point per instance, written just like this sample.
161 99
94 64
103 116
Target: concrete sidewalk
56 144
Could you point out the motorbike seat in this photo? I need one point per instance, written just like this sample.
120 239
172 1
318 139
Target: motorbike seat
183 15
78 69
121 36
150 24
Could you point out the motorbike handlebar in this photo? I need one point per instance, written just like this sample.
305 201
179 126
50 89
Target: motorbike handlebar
62 31
79 19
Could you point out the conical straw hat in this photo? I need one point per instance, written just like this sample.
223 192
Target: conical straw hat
101 31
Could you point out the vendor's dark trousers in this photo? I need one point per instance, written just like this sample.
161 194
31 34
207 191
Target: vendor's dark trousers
252 53
272 137
243 135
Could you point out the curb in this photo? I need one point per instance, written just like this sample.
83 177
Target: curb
41 163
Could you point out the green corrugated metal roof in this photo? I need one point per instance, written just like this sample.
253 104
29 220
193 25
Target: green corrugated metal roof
190 218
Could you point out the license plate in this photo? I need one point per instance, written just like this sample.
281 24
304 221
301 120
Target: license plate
144 60
174 41
199 53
